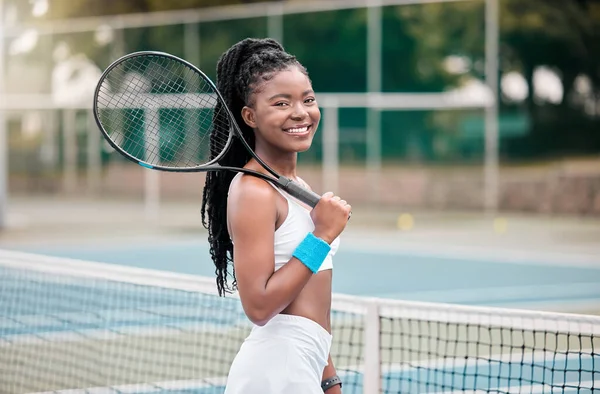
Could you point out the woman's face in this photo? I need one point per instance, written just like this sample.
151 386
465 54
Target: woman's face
284 114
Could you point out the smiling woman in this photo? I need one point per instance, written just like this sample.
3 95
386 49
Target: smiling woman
281 250
295 113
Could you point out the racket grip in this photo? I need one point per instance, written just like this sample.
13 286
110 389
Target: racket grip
301 193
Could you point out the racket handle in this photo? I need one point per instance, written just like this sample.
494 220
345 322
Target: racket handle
301 193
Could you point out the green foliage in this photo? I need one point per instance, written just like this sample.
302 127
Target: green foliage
332 45
417 41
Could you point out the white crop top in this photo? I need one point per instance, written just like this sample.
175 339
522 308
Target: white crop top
293 230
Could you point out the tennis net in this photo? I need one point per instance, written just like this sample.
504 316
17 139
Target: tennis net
70 326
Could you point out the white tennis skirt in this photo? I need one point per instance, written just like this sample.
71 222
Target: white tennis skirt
286 355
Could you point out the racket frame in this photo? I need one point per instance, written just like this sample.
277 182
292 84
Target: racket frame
303 194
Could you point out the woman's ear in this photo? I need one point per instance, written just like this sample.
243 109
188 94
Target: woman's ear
248 116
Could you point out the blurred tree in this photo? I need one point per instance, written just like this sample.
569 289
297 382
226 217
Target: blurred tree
557 33
427 47
547 33
562 35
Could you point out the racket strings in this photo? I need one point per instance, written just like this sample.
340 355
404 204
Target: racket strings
208 120
162 112
114 121
199 84
123 124
170 85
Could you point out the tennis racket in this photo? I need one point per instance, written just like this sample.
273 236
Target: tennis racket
159 111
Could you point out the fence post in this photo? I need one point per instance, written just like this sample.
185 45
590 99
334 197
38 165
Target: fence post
3 134
275 22
70 150
330 148
491 161
151 177
94 155
372 350
374 70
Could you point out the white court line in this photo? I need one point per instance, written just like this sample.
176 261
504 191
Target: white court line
355 242
396 246
567 306
504 293
110 323
107 318
112 333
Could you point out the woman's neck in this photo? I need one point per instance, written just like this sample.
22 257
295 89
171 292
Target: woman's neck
284 165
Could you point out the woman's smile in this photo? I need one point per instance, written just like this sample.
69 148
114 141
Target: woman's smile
299 130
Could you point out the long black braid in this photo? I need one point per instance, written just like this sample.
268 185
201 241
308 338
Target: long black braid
240 71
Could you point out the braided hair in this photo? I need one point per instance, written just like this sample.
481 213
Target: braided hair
240 72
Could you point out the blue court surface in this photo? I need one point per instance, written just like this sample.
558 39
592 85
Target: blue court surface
358 271
468 279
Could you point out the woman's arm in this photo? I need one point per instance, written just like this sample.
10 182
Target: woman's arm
329 370
252 215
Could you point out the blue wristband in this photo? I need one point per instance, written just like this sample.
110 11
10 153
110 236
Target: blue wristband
312 251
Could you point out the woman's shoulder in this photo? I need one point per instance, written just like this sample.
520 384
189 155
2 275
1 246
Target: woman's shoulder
251 205
248 189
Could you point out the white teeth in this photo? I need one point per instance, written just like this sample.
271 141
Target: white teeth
299 130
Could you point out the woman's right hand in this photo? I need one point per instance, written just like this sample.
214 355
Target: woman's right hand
330 217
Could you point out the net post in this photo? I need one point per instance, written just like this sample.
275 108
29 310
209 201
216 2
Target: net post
372 350
330 147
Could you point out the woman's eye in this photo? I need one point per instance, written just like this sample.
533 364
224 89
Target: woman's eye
280 104
309 100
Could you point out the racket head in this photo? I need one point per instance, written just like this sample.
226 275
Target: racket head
160 111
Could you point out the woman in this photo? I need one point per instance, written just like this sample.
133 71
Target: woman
281 250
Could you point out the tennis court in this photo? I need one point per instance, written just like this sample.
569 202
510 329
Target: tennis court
554 281
468 150
156 327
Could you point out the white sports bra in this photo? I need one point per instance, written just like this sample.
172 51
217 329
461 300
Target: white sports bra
293 230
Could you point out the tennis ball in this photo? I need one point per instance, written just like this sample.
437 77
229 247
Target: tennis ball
500 225
406 222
